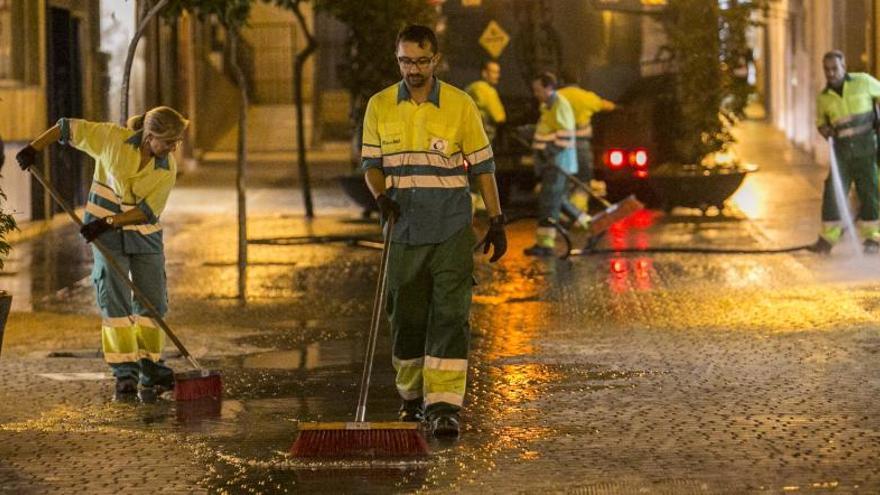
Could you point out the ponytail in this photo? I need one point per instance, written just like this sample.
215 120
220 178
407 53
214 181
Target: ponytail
136 122
160 122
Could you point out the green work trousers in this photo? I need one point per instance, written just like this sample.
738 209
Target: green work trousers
429 299
859 167
585 159
132 341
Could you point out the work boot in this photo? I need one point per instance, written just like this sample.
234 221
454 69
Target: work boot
412 411
821 246
126 390
540 251
445 425
871 246
151 394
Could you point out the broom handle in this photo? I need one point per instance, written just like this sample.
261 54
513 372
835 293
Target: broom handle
583 186
378 303
154 313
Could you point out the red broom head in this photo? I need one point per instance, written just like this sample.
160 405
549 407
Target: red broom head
367 443
614 213
198 384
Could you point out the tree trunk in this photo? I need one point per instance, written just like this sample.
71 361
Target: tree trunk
298 65
129 59
240 177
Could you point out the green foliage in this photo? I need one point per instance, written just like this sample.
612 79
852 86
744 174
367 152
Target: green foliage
231 13
7 225
370 64
708 49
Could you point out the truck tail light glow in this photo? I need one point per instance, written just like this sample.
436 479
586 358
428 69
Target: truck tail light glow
614 158
638 158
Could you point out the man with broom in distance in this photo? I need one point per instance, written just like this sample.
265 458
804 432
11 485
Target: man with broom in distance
555 156
423 139
134 174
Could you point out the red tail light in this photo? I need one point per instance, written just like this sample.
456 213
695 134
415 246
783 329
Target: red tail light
638 158
614 158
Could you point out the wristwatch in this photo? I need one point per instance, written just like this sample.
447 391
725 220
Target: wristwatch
498 220
109 220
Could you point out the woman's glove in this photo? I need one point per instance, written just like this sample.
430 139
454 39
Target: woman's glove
94 229
27 157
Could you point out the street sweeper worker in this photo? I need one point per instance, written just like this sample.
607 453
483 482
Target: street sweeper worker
423 142
134 173
845 114
554 149
584 104
486 97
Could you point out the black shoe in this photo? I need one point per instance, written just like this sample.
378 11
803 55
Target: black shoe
152 393
126 390
445 426
537 250
821 246
412 411
871 246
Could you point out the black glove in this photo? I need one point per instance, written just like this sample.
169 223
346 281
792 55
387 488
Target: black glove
388 208
95 228
495 237
27 157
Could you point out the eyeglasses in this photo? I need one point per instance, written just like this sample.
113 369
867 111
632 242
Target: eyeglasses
421 62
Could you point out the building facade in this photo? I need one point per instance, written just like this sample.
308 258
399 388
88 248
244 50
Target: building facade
797 34
66 58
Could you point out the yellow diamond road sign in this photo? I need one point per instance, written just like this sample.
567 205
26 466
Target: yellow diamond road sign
494 39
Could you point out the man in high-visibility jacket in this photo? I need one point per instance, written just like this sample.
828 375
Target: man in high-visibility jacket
585 104
554 152
423 142
845 116
486 97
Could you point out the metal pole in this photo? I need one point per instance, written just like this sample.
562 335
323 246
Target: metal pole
375 319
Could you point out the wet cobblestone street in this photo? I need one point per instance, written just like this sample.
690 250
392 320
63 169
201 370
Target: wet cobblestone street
608 373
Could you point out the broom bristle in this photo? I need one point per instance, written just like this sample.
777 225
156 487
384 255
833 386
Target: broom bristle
346 440
198 384
614 213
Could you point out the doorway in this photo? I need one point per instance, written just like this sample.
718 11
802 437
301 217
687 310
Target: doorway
64 94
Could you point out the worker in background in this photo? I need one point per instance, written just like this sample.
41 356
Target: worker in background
134 173
418 134
585 104
845 115
486 97
554 151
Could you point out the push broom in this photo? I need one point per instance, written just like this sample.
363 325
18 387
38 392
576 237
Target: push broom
361 438
612 213
190 385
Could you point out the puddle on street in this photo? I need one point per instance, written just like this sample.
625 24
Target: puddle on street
307 357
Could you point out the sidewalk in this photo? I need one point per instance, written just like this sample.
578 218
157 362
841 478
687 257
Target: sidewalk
643 373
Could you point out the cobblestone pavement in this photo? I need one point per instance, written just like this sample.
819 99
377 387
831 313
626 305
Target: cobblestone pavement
636 373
